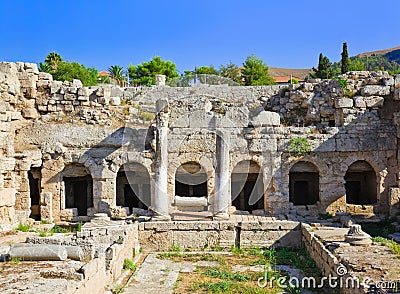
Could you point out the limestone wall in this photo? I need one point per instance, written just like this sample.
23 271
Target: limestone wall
52 125
207 235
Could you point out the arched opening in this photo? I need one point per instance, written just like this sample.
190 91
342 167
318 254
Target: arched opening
34 176
247 186
78 188
361 184
133 187
303 184
191 187
191 180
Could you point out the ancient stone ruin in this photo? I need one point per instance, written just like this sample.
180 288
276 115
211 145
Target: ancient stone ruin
68 153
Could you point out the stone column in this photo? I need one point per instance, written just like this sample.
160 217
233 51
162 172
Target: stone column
222 197
159 203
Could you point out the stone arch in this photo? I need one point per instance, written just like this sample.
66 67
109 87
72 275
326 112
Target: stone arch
247 186
304 183
133 186
204 161
361 183
77 188
192 182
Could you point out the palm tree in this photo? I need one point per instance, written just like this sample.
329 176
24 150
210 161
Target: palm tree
53 59
44 67
117 73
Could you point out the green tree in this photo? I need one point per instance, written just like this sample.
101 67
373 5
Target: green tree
231 71
325 69
53 59
44 67
356 65
117 73
255 72
68 71
206 70
345 59
145 73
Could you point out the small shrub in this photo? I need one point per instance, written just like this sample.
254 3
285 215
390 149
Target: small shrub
15 261
147 116
175 248
58 229
343 83
299 146
23 228
43 233
117 289
128 264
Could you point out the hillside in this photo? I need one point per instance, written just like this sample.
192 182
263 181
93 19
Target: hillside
379 52
389 59
283 72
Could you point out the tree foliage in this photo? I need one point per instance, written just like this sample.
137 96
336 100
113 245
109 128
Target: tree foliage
145 73
345 59
231 71
68 71
117 73
255 72
53 59
325 69
206 70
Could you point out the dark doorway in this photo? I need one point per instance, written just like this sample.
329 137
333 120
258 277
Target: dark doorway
247 188
34 192
133 187
191 180
361 186
78 193
303 184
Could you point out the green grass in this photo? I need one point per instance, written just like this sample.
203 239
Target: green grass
23 228
14 261
394 246
58 229
128 264
224 274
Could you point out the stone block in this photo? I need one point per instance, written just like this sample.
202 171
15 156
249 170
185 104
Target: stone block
343 102
30 113
266 118
359 102
115 101
374 101
375 90
7 197
394 201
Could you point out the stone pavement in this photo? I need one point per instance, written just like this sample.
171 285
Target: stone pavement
159 275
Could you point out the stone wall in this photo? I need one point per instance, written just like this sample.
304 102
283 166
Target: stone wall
327 262
53 125
210 235
105 248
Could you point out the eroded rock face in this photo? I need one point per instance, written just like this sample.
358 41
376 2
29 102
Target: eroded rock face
51 131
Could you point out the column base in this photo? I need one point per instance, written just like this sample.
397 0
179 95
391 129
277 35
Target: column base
161 218
221 216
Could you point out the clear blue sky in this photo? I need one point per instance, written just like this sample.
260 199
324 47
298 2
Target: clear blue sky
283 33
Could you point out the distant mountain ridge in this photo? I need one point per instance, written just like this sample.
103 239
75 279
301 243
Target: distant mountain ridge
391 54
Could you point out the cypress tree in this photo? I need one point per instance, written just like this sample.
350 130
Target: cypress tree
345 59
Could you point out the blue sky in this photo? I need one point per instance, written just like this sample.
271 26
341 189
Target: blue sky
194 33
